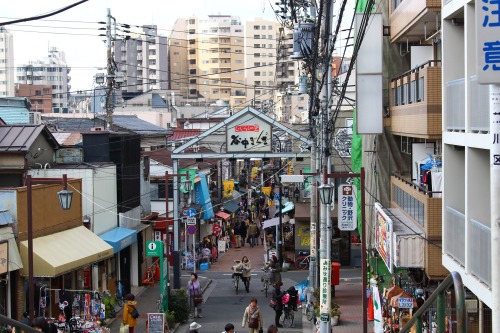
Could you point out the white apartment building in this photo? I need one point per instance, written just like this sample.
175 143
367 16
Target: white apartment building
7 84
470 195
143 60
261 38
53 71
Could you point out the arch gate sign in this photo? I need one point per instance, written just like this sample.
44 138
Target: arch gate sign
248 134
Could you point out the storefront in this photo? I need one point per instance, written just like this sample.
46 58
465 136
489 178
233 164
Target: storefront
66 265
11 263
121 267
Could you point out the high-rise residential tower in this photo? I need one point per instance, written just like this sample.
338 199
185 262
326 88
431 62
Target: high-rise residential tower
7 84
143 60
52 71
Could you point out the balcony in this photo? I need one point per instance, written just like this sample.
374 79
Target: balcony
415 99
454 232
479 251
424 209
480 96
414 20
455 105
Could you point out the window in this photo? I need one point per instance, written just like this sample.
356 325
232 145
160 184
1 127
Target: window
256 36
256 64
256 27
152 62
256 46
270 27
239 61
420 93
256 73
176 53
238 51
269 36
38 93
263 27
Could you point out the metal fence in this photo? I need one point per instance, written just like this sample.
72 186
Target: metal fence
455 105
454 233
479 251
479 106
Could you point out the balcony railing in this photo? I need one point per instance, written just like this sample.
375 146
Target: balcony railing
479 250
455 105
479 106
416 103
454 232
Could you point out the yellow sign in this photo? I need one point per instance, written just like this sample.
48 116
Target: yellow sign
290 168
228 186
266 190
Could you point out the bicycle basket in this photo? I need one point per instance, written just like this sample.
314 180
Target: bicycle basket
267 275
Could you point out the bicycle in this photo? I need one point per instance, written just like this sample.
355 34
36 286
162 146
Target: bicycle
119 296
302 261
288 317
266 279
237 275
310 311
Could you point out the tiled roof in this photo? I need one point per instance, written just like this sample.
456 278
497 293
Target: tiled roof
133 124
183 134
21 137
68 138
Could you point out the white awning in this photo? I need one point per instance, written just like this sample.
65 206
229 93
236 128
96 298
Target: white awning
408 241
272 222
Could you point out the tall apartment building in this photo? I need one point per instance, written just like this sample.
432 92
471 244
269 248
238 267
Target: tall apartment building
470 227
7 84
207 60
40 96
52 71
143 60
261 38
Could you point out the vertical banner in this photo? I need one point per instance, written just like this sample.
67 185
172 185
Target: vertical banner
383 236
202 197
228 188
324 290
348 210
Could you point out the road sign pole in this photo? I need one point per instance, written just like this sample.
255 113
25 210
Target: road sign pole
194 254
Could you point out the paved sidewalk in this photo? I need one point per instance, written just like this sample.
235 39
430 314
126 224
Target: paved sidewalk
146 303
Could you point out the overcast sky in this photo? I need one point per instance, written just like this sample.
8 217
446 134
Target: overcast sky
75 31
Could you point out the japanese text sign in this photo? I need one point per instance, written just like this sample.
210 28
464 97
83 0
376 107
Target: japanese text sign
348 210
324 286
488 41
247 134
405 303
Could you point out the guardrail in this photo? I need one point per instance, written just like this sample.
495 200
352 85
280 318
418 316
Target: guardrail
20 327
439 296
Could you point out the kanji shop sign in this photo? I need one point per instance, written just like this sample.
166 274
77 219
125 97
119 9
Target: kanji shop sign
248 133
488 42
348 209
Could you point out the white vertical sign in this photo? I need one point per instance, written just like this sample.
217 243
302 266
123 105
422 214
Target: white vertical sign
488 43
348 209
324 289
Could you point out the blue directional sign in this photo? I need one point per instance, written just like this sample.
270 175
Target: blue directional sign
191 212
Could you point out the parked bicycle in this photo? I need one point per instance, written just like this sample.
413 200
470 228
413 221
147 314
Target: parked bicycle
266 279
287 318
120 294
302 261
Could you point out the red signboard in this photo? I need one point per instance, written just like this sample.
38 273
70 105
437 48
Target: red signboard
247 128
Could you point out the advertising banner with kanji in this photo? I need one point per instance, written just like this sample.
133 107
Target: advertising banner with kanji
383 236
348 210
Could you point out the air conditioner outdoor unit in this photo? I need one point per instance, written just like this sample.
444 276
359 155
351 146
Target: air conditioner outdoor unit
35 118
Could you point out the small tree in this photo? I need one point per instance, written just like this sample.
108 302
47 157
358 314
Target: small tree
179 305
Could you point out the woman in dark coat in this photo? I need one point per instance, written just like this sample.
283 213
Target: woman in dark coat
278 309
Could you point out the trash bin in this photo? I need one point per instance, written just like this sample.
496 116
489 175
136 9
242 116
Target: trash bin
335 278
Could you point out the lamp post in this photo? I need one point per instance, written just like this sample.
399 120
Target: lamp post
177 264
326 197
65 198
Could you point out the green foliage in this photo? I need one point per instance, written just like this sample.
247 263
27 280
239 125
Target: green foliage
178 304
170 317
109 305
334 307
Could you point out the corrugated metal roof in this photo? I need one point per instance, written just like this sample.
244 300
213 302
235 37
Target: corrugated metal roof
133 124
68 138
71 124
183 134
157 101
19 138
15 116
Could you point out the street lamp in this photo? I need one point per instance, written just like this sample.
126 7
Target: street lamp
326 197
65 198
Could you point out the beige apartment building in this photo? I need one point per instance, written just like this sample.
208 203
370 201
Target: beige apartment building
207 60
261 41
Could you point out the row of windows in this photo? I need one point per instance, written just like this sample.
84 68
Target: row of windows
263 37
258 73
41 69
263 27
263 46
40 78
407 94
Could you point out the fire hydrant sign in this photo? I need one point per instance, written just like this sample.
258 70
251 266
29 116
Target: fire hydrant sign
348 210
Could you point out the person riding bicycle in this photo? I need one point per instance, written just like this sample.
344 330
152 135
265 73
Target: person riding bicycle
245 267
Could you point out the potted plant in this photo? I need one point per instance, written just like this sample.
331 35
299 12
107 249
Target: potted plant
335 315
170 318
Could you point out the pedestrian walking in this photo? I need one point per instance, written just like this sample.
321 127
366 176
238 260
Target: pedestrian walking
237 235
275 268
272 329
229 328
278 308
194 327
128 318
195 296
252 233
253 317
243 232
40 324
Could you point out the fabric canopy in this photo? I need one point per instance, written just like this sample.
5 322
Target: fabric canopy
231 206
64 251
223 215
272 222
119 238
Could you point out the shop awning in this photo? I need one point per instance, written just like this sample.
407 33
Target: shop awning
64 251
14 260
287 207
231 206
272 222
408 240
119 238
223 215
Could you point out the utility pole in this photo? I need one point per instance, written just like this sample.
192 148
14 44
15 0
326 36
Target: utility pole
325 220
109 73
